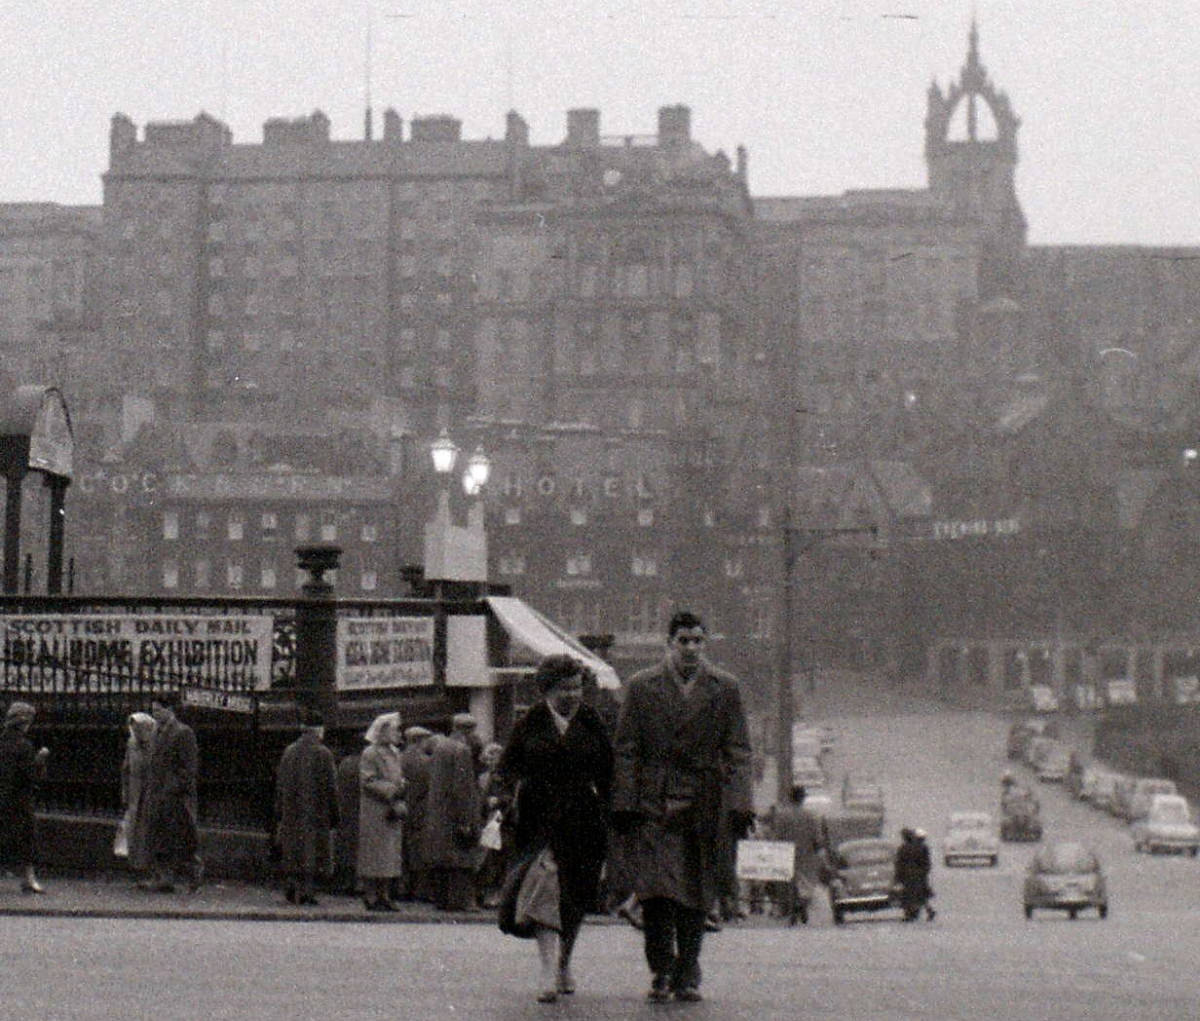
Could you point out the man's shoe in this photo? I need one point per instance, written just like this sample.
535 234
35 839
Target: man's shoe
290 895
308 900
712 923
660 990
32 886
688 994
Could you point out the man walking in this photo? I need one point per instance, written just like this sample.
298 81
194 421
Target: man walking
306 810
682 782
172 834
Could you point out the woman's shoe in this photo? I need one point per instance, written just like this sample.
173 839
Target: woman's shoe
548 996
32 886
565 983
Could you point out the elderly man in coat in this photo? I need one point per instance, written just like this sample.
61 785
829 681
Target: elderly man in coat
682 774
306 810
450 834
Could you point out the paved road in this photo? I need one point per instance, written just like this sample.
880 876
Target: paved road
980 959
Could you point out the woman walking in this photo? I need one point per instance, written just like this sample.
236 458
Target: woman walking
20 769
560 759
380 812
139 748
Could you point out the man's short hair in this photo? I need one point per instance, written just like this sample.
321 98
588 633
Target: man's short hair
167 699
682 619
554 670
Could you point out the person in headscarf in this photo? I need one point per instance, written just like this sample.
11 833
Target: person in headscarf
139 747
381 812
20 769
306 809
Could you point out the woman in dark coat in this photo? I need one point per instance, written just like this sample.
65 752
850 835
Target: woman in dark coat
20 769
562 759
912 875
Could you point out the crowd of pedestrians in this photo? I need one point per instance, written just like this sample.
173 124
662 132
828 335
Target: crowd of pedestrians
642 811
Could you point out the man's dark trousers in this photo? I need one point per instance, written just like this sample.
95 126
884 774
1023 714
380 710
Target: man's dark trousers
673 936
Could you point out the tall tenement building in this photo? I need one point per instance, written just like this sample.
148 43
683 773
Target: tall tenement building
968 435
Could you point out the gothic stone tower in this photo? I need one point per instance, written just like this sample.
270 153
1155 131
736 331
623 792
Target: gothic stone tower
975 171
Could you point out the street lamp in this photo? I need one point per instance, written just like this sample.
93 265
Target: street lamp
454 552
479 469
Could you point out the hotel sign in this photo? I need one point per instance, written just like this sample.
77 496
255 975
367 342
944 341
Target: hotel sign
976 529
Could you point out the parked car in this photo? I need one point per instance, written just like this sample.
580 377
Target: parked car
861 873
1054 762
1167 826
808 773
971 837
1104 789
1135 799
863 795
1067 876
1023 731
1020 815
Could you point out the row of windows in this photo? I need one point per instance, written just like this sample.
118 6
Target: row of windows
580 565
579 516
237 576
268 523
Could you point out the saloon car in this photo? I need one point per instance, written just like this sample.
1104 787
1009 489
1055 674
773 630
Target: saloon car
1166 826
1065 876
1020 815
860 877
971 837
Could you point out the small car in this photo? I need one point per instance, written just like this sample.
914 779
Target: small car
860 877
1020 815
1167 826
1135 799
1073 781
1036 749
1104 789
863 795
808 773
1066 876
971 837
1054 763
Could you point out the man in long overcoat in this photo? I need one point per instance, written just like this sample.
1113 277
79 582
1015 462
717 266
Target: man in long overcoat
450 833
682 773
20 770
306 810
415 762
172 833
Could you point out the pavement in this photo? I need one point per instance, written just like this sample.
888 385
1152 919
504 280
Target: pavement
116 896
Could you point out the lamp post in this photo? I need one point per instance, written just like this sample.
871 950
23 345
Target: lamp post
452 552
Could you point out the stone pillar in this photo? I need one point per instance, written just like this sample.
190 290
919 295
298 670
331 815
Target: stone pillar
58 513
316 630
14 476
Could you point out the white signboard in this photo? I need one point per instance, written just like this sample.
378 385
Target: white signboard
207 698
772 861
384 652
110 652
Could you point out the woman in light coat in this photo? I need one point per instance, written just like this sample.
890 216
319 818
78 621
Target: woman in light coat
138 750
380 812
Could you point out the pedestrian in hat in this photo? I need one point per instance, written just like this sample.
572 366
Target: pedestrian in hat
172 830
414 762
306 811
450 830
20 770
465 728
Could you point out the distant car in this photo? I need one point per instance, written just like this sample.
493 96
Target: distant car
1043 698
1036 749
1135 798
1023 731
864 795
819 802
971 837
1054 762
861 873
1167 826
1066 876
1020 815
808 773
1104 789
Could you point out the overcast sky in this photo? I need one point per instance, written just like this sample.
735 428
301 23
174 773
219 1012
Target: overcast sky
827 95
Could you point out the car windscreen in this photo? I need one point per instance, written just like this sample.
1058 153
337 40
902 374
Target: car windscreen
970 822
1171 812
1064 858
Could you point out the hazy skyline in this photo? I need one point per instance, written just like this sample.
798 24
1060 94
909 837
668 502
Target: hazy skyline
827 95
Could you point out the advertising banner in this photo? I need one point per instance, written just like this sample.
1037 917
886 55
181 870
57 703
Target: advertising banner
110 652
384 652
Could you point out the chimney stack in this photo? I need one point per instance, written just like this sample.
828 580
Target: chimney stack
674 126
583 128
516 129
393 126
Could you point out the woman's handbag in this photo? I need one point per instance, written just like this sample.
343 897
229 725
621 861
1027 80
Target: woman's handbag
121 841
538 897
529 896
490 837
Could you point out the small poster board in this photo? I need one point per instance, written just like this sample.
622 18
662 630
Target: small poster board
207 698
771 861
